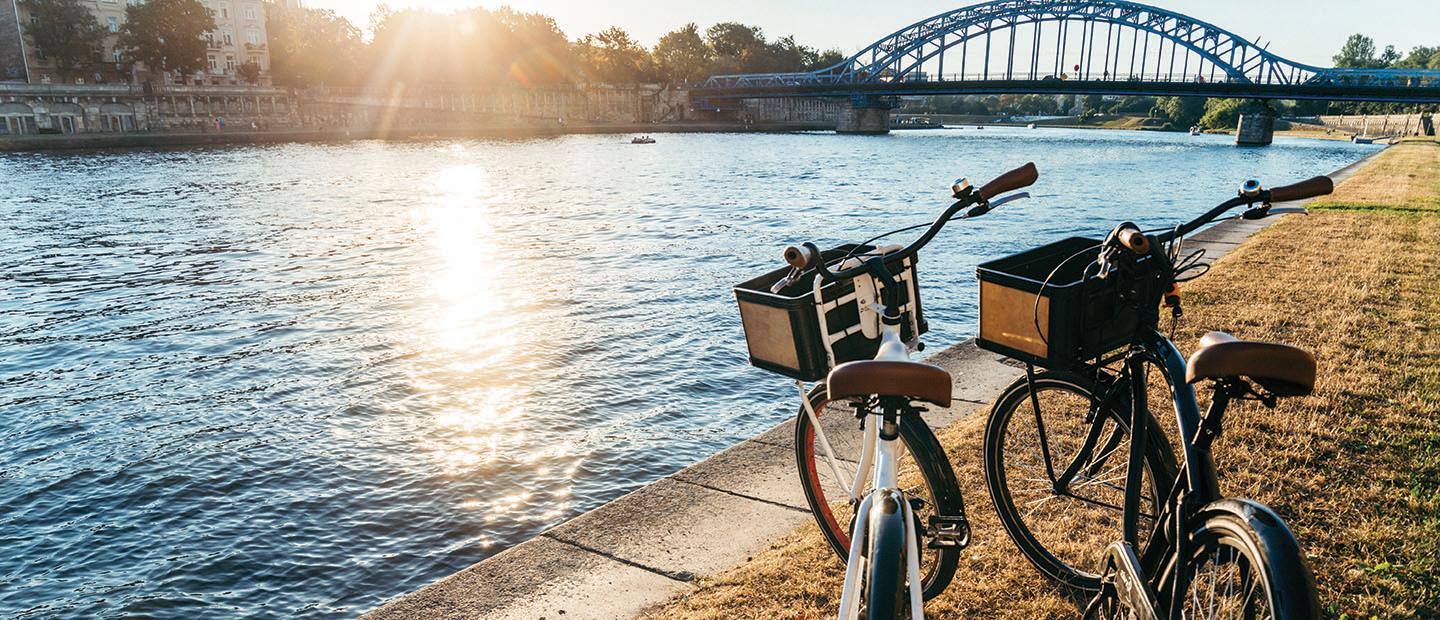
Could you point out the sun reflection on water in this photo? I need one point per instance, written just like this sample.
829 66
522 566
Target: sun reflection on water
472 370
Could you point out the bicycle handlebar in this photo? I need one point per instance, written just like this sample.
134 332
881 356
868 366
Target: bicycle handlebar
1135 240
1317 186
1021 177
808 254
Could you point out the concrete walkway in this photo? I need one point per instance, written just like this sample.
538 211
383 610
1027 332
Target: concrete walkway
649 545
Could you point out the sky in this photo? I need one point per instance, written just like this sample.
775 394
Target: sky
1308 31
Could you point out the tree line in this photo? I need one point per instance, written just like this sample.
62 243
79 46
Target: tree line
477 46
470 47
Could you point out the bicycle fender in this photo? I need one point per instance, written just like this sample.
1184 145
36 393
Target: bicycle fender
1295 583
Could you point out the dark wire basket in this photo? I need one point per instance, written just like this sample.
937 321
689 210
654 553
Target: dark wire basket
1039 307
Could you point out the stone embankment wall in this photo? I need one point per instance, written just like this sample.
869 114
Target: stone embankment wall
796 110
30 109
1382 124
399 107
27 109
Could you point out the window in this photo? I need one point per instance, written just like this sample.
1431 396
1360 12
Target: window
113 24
117 55
229 40
253 37
229 62
213 65
224 13
249 12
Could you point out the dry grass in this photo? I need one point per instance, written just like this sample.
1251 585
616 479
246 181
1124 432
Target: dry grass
1404 178
1355 468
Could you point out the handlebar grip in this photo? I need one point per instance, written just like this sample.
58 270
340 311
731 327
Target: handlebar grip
799 257
1135 240
1024 176
1318 186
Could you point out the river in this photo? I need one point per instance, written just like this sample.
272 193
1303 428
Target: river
297 380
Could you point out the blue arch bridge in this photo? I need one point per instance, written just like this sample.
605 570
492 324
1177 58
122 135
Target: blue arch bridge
1063 47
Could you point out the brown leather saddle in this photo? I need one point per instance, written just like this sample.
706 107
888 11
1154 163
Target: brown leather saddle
1281 369
889 378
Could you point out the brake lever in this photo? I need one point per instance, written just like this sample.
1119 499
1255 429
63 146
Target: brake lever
1287 210
989 205
1011 198
1262 212
785 282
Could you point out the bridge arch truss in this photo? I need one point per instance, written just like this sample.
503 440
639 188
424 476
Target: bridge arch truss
1120 41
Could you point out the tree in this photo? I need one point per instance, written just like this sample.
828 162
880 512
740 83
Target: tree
472 47
1389 56
1357 53
826 59
250 72
1225 113
166 34
612 56
538 52
1420 57
1179 112
682 56
312 46
737 48
65 31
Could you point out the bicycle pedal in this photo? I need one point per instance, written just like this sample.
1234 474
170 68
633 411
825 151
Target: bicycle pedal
948 532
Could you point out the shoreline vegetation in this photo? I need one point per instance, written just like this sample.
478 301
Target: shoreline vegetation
1353 468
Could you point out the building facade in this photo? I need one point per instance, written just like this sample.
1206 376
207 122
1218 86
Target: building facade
239 38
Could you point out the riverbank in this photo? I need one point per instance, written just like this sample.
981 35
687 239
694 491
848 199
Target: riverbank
676 537
1358 462
182 139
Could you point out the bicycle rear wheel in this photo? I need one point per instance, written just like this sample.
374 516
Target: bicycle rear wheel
1062 530
925 473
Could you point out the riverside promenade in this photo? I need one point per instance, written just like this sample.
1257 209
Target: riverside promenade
707 538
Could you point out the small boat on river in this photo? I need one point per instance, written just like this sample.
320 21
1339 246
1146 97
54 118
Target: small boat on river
642 140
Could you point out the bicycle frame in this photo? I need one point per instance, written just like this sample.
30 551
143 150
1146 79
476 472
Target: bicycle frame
879 460
1196 485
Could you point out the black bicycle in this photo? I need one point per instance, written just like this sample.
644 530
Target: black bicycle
1075 459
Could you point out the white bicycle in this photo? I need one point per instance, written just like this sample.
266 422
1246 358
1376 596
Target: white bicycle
883 568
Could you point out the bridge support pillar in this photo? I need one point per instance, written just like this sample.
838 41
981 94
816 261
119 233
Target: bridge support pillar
867 115
1256 129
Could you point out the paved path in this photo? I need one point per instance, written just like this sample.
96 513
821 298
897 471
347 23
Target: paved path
649 545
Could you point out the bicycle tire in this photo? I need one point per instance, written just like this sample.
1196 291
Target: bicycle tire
941 490
1254 541
1160 464
885 594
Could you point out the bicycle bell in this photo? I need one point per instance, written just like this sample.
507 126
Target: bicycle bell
959 187
1250 189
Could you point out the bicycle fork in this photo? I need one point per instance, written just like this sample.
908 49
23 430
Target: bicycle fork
882 443
885 501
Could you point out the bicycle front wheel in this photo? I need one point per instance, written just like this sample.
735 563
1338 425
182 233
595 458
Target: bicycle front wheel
1247 568
885 588
925 473
1031 438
